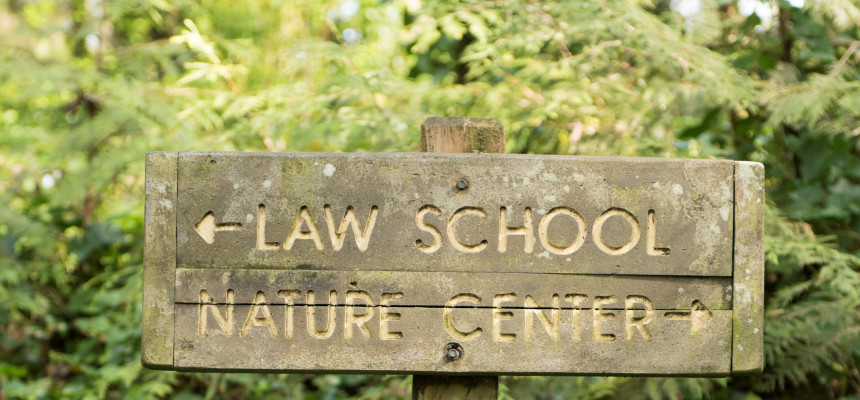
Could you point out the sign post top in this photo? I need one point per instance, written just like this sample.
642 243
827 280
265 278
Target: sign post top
462 135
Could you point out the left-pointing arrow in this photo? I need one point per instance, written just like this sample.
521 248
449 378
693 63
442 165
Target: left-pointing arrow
207 227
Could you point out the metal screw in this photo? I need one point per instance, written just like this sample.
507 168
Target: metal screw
462 184
453 351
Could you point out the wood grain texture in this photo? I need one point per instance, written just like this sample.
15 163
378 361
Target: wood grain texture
462 135
445 387
159 262
748 318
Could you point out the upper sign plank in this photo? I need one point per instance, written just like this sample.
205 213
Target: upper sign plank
455 212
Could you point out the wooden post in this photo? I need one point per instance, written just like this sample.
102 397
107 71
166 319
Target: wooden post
440 387
459 135
462 135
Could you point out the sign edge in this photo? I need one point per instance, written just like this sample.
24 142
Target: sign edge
159 261
748 277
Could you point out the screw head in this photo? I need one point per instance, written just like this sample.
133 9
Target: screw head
453 351
462 184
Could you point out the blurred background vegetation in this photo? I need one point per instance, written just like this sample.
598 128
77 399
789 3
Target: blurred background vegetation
87 87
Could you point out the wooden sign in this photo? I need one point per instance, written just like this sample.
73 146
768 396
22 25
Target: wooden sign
452 264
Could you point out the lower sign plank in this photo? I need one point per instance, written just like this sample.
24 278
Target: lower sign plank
378 321
509 341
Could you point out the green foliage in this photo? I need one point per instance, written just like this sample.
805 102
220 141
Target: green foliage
813 327
87 87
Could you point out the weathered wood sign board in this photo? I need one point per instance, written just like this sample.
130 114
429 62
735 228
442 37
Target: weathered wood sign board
454 263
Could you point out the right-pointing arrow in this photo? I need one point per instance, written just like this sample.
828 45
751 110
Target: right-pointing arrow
699 315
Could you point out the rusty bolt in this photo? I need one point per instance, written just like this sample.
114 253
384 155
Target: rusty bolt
462 184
